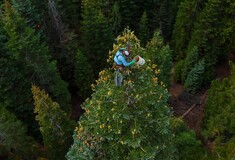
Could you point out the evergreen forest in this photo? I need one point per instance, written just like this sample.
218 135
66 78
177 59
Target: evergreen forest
58 98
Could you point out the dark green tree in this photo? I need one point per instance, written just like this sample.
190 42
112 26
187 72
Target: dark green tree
182 31
191 59
130 12
13 137
119 123
97 36
55 126
161 55
208 32
143 31
29 13
219 123
165 19
83 75
26 60
195 77
188 147
116 19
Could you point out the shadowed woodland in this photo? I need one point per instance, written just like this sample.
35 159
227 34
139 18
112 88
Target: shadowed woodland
58 98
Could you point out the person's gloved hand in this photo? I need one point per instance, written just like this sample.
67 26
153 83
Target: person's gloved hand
132 62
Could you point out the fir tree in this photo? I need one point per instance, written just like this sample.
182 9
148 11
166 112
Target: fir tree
161 55
13 137
143 30
219 123
119 123
83 75
25 60
207 32
185 20
186 142
97 36
191 59
166 19
116 19
195 77
130 15
55 126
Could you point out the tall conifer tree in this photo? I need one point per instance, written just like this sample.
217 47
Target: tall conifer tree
55 126
143 31
26 60
97 35
13 137
119 123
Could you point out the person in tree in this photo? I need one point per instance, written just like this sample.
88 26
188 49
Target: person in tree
120 59
121 62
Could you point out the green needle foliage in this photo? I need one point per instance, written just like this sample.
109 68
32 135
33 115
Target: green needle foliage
83 75
219 122
161 55
127 122
187 145
210 34
14 139
97 35
31 62
184 23
55 126
143 30
195 77
191 59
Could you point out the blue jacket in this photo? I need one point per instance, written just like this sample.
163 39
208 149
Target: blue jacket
119 59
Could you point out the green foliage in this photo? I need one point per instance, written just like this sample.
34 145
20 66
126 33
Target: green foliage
14 139
161 55
219 122
24 60
191 59
178 71
83 75
120 122
30 14
116 19
185 141
97 36
55 126
207 32
166 19
194 78
184 23
143 31
130 13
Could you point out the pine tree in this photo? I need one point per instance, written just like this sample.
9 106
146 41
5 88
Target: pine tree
185 20
130 13
195 77
83 75
218 124
186 142
119 123
191 59
208 32
55 126
166 19
24 61
161 55
116 19
13 137
97 36
143 30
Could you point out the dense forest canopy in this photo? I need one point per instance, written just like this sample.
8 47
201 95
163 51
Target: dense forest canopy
58 98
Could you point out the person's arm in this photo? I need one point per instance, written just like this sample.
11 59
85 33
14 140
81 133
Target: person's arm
124 62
